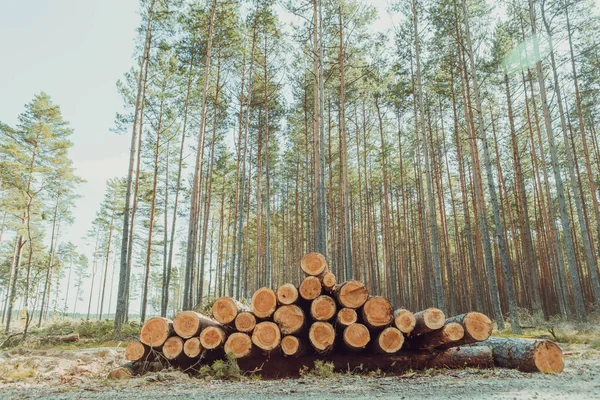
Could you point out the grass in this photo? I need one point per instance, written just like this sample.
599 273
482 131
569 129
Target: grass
321 369
227 369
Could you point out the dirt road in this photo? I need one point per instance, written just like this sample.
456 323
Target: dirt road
80 375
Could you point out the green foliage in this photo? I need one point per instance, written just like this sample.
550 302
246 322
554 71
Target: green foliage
227 369
321 369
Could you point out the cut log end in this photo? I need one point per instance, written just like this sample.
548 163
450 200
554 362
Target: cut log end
290 345
352 294
212 337
264 302
321 336
404 320
390 340
478 326
453 331
290 319
549 358
328 281
356 336
239 345
313 264
192 347
186 324
310 288
120 373
346 316
155 331
173 347
135 351
323 308
429 320
266 336
287 294
377 312
245 322
225 309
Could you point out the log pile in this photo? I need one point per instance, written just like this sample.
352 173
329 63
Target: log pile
285 330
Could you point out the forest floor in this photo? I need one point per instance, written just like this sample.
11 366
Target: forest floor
81 374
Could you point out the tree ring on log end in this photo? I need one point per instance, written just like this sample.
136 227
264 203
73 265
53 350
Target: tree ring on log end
224 310
264 302
245 322
321 335
548 357
313 264
192 347
353 294
290 345
390 340
173 347
266 335
289 318
378 312
478 326
239 344
310 288
357 336
287 294
155 332
323 308
405 321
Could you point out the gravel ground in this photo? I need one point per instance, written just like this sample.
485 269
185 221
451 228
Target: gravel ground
580 380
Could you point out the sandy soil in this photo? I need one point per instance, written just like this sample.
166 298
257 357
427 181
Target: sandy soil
59 374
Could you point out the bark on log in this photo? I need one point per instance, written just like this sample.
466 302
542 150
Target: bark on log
263 303
356 336
212 337
527 355
389 341
328 281
245 322
290 319
187 324
352 294
321 337
173 348
448 335
323 308
287 294
132 368
136 351
266 336
428 320
314 264
225 309
192 347
239 345
477 327
377 312
156 331
346 317
310 288
404 320
292 346
277 366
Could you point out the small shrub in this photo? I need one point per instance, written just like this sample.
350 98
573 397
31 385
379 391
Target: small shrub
227 369
322 369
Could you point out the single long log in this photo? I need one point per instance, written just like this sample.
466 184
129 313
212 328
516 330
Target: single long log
287 294
239 345
323 308
173 348
477 327
213 337
404 320
527 355
321 337
156 331
352 294
136 351
448 335
192 347
290 319
428 320
225 309
389 341
245 322
356 336
377 312
263 303
292 346
328 281
310 288
346 317
266 336
277 366
187 324
73 337
314 264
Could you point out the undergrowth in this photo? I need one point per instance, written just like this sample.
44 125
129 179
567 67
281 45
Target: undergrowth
227 369
322 369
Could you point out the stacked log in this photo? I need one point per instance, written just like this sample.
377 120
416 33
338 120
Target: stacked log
284 330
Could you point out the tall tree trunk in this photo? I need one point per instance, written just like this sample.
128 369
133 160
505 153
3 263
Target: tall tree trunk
194 220
564 217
